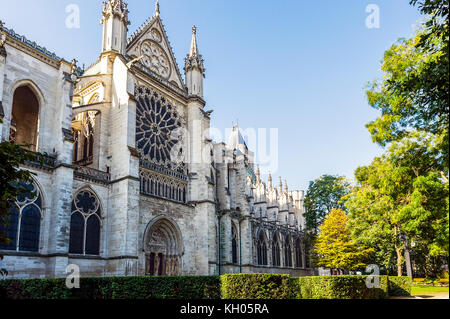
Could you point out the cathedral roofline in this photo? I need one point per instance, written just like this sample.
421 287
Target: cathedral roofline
41 52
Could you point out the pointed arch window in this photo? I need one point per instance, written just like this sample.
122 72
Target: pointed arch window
288 252
85 224
234 245
23 225
83 127
298 254
276 251
261 247
24 128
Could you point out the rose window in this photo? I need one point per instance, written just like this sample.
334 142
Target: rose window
158 131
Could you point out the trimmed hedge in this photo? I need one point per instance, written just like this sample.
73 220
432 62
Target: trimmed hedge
239 286
205 287
255 286
337 287
400 286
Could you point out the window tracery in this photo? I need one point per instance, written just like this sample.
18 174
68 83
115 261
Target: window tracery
85 224
22 226
160 145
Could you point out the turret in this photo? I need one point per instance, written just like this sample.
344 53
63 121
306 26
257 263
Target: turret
115 26
194 68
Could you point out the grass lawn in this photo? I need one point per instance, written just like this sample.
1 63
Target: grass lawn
423 290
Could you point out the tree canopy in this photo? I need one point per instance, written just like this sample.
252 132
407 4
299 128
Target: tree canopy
334 248
404 192
401 193
414 93
324 194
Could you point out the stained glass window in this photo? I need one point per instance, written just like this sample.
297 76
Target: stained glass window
8 227
29 228
23 224
76 241
159 141
85 224
158 130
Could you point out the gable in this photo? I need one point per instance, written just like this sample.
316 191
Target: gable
152 43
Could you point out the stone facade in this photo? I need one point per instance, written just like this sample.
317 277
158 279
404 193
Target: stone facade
132 183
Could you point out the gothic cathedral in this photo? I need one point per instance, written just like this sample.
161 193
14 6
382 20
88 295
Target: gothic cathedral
129 182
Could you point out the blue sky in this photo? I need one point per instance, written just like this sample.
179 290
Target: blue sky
299 65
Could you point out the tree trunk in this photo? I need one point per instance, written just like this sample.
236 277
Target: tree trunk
398 251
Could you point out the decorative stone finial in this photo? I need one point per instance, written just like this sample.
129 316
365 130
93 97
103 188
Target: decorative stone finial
194 61
157 12
194 49
286 189
2 36
74 66
258 174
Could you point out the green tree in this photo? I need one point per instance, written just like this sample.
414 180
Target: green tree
401 192
334 248
414 93
11 157
323 195
406 190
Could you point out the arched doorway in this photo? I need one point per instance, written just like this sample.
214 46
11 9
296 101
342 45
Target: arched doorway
163 248
24 128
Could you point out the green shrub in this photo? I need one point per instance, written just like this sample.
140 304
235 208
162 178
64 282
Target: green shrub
206 287
399 286
337 287
255 286
242 286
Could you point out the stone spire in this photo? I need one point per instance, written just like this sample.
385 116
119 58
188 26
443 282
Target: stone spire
258 174
269 180
194 68
286 189
157 8
280 186
194 48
